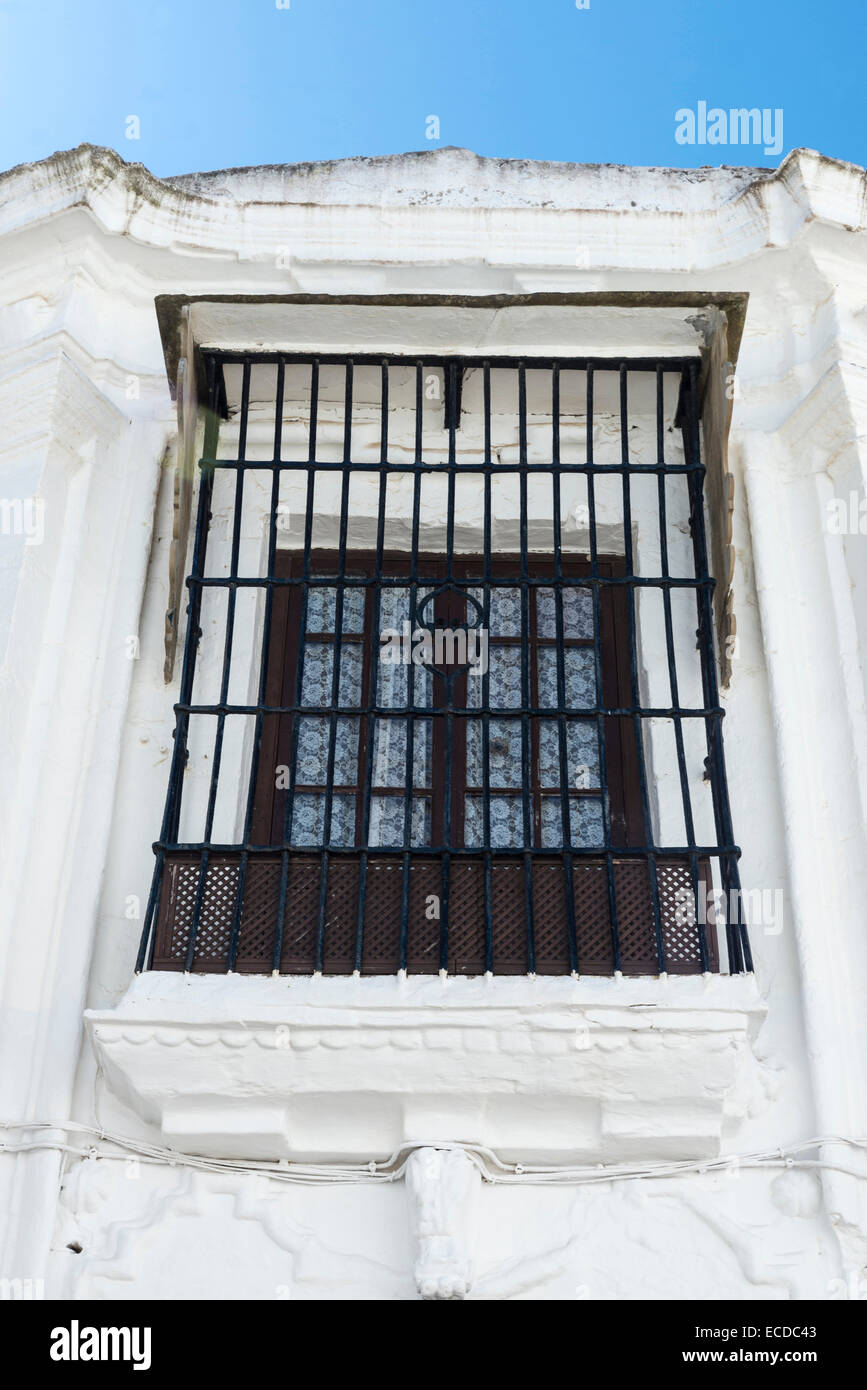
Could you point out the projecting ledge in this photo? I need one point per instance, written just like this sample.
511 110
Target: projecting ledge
347 1070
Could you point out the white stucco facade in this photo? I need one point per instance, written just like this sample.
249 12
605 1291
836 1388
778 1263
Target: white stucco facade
436 1138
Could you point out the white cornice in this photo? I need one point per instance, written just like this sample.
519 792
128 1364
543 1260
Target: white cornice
447 203
236 1065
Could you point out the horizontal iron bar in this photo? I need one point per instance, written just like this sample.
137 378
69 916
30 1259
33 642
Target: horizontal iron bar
425 793
585 581
306 465
330 359
470 712
432 851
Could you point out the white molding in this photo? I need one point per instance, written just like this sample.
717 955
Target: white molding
724 215
344 1069
63 693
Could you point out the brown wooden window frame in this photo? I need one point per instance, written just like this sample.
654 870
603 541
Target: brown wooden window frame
626 820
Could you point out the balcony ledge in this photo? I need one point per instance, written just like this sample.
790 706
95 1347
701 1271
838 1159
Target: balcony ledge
341 1069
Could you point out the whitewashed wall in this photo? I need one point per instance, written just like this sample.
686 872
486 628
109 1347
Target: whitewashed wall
87 244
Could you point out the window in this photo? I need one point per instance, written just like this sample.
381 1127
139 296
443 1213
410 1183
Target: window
478 671
448 760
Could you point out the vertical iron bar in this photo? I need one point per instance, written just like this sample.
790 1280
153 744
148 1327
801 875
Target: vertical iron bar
635 697
672 665
194 626
172 809
289 806
337 663
526 768
409 779
565 797
449 679
230 628
266 644
374 669
600 701
486 682
737 936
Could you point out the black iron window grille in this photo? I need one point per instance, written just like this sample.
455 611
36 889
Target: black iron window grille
433 710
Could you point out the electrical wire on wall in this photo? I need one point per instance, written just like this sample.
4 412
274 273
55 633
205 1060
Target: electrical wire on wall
493 1169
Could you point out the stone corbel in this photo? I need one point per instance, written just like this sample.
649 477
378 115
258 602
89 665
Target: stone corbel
443 1186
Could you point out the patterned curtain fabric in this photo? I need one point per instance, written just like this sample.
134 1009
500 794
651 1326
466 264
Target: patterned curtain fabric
389 760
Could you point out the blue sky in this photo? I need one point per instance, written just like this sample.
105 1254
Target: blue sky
216 83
